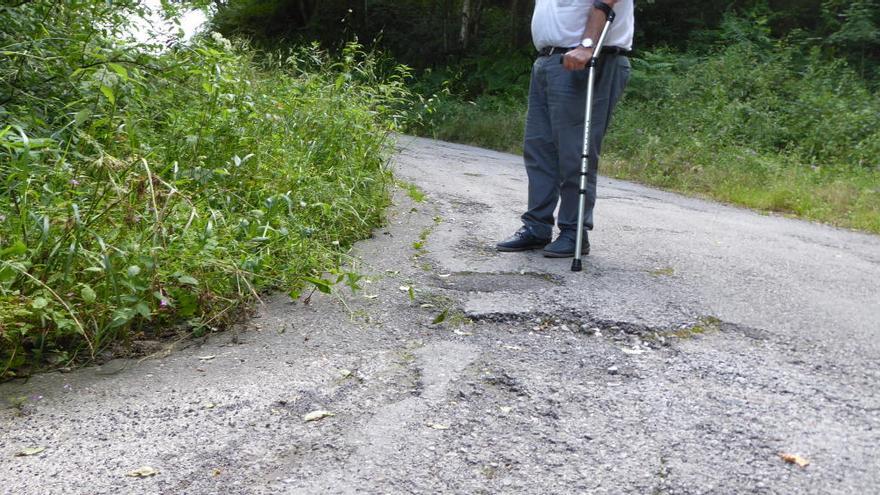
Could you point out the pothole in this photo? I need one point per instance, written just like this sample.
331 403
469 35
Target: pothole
498 282
471 248
652 336
462 205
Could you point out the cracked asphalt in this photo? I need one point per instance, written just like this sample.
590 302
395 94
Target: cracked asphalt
700 342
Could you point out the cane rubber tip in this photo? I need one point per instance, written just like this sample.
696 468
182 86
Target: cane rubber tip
576 265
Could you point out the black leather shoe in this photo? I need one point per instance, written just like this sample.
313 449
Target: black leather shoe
522 240
563 246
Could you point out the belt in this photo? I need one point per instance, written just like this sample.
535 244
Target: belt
606 50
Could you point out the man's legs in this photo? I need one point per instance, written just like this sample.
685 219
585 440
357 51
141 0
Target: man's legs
540 154
554 141
608 87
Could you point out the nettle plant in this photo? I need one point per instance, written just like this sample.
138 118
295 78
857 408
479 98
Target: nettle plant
148 189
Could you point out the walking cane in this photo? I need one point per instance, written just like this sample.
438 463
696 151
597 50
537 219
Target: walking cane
576 264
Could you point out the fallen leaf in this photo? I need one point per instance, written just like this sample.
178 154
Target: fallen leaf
438 426
216 472
143 472
27 452
371 296
210 405
206 358
317 415
794 459
441 317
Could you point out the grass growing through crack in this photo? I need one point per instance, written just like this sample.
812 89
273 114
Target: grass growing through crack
419 245
446 310
705 325
662 272
412 191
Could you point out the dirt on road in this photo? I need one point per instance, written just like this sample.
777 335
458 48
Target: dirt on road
700 345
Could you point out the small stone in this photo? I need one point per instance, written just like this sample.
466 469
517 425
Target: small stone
612 370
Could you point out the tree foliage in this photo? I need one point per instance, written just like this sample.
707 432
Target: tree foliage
427 33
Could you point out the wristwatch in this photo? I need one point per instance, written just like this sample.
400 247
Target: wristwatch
587 42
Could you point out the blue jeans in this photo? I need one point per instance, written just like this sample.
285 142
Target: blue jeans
554 138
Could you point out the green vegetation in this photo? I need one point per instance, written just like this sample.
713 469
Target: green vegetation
662 272
758 124
142 186
707 324
771 104
412 191
754 121
487 121
165 185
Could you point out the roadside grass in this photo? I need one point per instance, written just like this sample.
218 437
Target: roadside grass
844 198
487 122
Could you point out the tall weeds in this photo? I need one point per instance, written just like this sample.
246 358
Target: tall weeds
143 188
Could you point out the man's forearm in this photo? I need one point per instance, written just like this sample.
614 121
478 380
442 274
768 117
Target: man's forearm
577 59
596 21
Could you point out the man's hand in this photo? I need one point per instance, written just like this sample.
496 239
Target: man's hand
577 58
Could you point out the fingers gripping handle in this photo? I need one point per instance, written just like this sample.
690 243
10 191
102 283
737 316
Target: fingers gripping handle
609 18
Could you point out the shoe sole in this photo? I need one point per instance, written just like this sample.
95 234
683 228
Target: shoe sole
517 250
552 254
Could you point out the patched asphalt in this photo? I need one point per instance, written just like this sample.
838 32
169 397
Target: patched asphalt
700 343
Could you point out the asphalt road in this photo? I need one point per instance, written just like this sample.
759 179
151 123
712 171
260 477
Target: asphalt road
700 343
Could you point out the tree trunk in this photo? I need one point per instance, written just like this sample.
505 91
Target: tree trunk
514 22
470 21
464 36
306 10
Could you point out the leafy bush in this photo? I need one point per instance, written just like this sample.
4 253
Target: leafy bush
143 187
771 128
495 122
778 100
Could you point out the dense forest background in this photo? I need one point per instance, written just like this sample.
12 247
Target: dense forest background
425 34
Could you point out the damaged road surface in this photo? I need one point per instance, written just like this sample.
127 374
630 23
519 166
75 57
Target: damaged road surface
704 349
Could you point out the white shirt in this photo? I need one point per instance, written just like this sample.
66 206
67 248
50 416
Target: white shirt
562 23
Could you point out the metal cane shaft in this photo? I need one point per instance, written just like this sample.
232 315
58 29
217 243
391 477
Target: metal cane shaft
579 243
585 155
